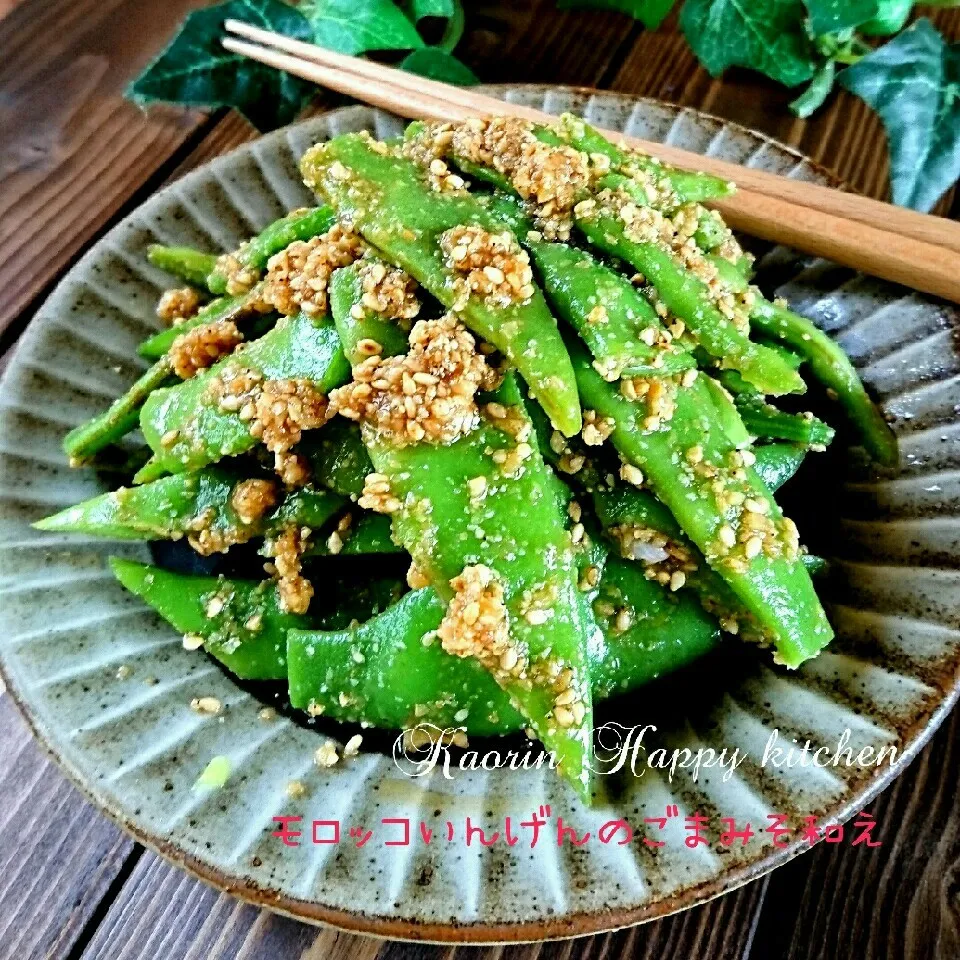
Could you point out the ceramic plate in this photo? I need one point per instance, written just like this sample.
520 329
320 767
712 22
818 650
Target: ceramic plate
135 746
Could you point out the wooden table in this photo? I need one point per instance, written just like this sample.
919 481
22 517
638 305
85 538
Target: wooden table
74 159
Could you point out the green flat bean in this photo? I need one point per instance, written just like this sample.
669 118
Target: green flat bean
203 269
299 225
391 679
185 503
765 420
338 457
370 534
777 592
778 462
688 297
689 186
188 264
530 555
729 415
239 621
223 308
391 205
345 292
602 305
832 367
123 415
203 432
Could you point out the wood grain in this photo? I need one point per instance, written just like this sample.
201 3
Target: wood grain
73 153
161 912
58 856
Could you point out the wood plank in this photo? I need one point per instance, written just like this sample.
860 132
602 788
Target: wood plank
846 135
58 856
161 912
530 41
74 153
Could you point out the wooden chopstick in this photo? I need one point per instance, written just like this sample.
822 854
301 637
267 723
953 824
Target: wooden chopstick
850 206
906 247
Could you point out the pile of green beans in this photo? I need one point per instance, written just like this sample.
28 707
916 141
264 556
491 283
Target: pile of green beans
619 538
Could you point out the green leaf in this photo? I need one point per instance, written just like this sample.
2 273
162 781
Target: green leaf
195 70
890 18
820 86
651 13
437 64
913 82
356 26
764 35
449 10
834 16
418 9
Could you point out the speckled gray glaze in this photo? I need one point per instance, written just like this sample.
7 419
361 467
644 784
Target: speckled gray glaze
136 747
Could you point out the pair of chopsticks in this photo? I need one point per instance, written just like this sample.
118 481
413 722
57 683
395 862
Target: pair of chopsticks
903 246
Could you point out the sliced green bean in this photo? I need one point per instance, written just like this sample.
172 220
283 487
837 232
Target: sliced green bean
187 428
391 678
688 297
368 535
299 225
388 200
602 305
238 621
832 367
123 415
689 186
338 457
776 463
729 415
223 308
765 420
184 504
776 590
188 264
345 291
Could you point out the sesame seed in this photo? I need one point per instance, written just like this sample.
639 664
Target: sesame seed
537 618
326 754
208 705
296 790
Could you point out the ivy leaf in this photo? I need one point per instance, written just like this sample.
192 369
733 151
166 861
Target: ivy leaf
764 35
449 10
356 26
651 13
913 82
890 19
418 9
835 16
196 71
437 64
